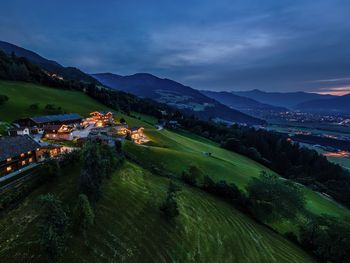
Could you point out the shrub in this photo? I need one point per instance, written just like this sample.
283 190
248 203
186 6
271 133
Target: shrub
83 214
53 224
273 198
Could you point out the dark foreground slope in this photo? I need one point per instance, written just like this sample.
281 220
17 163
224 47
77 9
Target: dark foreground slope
130 228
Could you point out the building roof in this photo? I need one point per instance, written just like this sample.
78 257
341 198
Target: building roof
57 118
14 146
101 112
135 128
52 127
18 128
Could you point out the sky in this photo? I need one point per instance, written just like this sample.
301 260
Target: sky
272 45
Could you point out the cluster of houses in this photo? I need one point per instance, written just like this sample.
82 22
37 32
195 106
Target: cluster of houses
33 138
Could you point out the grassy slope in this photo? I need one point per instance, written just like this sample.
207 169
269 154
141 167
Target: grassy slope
130 228
178 151
175 151
24 94
172 151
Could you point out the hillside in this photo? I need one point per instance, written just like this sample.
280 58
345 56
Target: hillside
48 65
280 99
137 194
168 150
129 226
174 94
22 95
241 103
334 105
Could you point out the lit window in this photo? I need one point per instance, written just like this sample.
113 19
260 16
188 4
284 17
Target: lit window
23 162
29 152
22 154
30 160
9 159
8 168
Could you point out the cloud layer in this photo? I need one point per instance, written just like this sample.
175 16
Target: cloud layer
224 45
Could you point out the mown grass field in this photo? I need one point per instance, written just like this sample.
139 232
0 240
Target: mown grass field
175 152
22 95
130 228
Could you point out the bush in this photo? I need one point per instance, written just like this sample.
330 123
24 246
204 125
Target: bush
273 198
169 207
83 214
193 176
3 99
34 106
328 238
53 224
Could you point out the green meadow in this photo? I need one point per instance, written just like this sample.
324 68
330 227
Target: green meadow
130 228
128 224
22 95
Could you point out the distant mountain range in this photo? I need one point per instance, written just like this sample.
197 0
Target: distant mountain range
240 103
287 99
334 105
174 94
51 66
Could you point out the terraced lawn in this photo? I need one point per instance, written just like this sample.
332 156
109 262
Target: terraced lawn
174 152
130 228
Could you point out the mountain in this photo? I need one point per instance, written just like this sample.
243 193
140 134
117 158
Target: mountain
280 99
241 103
167 91
51 66
335 105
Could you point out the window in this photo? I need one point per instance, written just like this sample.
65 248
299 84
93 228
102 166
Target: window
8 168
30 160
29 152
22 154
9 159
23 162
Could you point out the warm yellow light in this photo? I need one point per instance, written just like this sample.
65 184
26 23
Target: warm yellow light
30 160
22 154
23 162
8 168
9 159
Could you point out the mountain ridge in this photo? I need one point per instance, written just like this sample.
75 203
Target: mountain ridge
339 104
281 99
174 94
51 66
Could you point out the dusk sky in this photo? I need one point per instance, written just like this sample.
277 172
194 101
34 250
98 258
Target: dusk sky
274 45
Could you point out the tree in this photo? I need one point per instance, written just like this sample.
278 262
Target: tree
51 169
327 237
53 224
169 207
93 170
3 99
273 198
192 176
83 214
118 147
122 120
34 106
